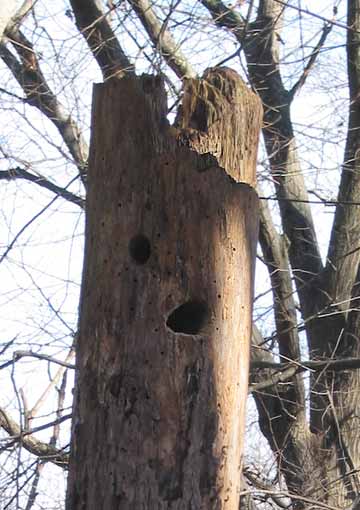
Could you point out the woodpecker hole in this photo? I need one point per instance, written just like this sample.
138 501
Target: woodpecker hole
140 249
188 318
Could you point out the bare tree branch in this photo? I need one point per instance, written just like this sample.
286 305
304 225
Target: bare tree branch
342 260
225 17
60 407
282 502
22 173
275 255
11 13
163 40
312 14
247 501
38 93
32 444
20 15
274 249
104 45
310 64
34 486
7 344
24 227
313 503
53 382
22 354
327 364
330 332
261 47
286 434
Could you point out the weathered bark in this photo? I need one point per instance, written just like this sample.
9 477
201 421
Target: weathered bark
165 317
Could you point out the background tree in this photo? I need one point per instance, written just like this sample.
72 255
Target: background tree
311 424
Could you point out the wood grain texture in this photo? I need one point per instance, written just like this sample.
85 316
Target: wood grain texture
165 319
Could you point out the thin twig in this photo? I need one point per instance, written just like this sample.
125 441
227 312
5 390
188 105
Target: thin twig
294 497
28 223
314 15
7 345
31 443
32 431
34 486
162 39
331 364
53 382
40 180
22 354
325 32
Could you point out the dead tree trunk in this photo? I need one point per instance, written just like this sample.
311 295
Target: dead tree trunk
165 316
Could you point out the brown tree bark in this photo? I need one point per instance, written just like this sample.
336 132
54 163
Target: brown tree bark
165 318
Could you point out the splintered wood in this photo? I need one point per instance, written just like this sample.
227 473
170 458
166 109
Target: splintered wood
221 116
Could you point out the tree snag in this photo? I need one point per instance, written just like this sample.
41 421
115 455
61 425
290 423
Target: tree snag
165 314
